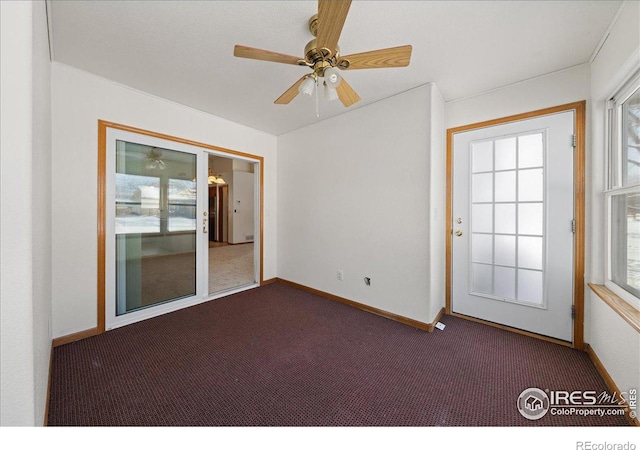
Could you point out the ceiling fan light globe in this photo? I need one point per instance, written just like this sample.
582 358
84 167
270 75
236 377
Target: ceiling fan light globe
332 77
330 93
306 88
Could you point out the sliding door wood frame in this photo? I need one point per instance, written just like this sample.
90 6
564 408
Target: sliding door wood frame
579 213
102 205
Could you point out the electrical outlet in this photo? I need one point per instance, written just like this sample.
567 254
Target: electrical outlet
340 275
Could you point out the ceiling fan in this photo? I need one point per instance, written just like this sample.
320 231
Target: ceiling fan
322 55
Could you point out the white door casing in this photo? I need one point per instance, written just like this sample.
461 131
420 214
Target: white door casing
513 196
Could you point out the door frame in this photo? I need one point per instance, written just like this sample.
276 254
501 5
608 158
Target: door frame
579 215
103 126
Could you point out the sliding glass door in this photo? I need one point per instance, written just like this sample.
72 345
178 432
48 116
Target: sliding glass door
154 237
159 252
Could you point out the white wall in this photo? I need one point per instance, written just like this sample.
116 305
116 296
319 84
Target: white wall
358 200
41 202
25 261
558 88
241 206
79 99
437 199
615 342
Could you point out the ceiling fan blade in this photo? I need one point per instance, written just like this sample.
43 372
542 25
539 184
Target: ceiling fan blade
378 59
290 93
346 94
264 55
331 17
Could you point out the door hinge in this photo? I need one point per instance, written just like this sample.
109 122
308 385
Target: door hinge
573 140
573 226
573 312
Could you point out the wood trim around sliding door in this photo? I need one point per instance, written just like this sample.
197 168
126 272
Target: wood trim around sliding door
579 206
102 206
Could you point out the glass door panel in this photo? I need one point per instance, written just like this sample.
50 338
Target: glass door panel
155 226
507 217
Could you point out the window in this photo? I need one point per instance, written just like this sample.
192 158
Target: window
137 204
155 190
623 193
182 205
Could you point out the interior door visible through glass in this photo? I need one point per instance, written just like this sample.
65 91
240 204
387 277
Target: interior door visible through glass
155 226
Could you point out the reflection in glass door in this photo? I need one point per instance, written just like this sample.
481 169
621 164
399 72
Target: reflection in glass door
155 226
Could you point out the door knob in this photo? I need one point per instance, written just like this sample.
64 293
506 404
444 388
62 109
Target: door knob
458 233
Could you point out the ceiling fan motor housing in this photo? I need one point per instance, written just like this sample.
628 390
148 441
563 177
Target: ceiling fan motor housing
313 55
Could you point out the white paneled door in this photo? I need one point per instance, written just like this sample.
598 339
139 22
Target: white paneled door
513 224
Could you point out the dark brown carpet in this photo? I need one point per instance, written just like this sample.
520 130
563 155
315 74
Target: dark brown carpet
277 356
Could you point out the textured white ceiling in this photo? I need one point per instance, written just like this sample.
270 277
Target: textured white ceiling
183 50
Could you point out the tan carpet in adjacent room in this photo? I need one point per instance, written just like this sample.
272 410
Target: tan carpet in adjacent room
230 266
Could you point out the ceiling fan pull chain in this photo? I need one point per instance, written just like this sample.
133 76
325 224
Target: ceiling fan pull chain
318 97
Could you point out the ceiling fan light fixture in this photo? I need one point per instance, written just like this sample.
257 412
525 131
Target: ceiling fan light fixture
332 77
330 93
322 55
154 159
306 88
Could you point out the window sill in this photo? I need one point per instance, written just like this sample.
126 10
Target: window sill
619 305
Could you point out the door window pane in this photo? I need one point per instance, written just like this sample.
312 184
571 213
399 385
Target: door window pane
482 218
482 248
530 218
530 286
482 156
506 154
530 185
505 250
505 218
530 252
155 226
482 187
482 277
504 282
506 186
530 151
